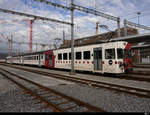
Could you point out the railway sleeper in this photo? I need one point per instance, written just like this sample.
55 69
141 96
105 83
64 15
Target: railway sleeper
69 108
65 102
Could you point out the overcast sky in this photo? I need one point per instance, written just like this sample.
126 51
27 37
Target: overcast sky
46 32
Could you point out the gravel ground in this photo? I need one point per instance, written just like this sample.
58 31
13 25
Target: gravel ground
14 102
110 101
124 82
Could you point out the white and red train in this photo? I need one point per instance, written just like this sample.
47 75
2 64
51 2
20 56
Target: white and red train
111 57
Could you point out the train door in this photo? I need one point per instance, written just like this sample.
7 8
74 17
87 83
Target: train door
39 60
98 59
49 59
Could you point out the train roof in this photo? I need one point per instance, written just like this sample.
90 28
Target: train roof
40 52
141 46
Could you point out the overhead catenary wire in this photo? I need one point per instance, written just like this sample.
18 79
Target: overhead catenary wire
147 14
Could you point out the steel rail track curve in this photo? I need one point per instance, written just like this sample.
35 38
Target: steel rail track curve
126 89
35 92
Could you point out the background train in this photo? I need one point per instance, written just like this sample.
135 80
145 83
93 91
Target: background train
111 57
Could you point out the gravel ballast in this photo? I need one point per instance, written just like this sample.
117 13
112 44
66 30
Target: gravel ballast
110 101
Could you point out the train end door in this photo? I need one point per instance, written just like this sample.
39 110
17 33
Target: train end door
49 59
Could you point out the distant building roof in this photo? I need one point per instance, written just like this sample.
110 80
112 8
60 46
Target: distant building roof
96 38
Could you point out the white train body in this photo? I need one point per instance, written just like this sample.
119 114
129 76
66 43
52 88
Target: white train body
90 64
99 58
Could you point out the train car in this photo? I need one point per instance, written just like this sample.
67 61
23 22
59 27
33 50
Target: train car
9 59
112 57
35 58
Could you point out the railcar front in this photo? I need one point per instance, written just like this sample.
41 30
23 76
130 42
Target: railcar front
117 58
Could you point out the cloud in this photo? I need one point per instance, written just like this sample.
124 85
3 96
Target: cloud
46 32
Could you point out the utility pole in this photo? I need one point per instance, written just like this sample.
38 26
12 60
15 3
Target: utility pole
63 37
31 22
138 13
118 23
72 38
36 47
11 43
125 28
97 27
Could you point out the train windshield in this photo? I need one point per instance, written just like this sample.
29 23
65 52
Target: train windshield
126 53
120 53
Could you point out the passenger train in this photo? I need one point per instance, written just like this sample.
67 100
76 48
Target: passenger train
110 57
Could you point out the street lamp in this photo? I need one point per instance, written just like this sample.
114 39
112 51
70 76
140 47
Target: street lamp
138 13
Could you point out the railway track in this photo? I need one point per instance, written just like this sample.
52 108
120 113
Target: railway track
140 76
51 98
137 76
115 87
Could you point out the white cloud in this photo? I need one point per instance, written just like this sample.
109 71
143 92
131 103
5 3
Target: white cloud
46 32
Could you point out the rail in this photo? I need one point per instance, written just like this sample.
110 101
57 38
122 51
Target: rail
126 89
52 99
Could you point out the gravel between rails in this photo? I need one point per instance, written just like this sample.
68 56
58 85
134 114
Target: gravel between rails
12 101
131 83
110 101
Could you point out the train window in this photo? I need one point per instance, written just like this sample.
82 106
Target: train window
59 56
42 57
37 57
127 53
69 56
78 55
86 54
64 56
120 53
110 54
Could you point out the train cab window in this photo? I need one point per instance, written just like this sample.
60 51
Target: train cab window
127 53
59 56
86 54
78 55
64 56
70 56
120 53
110 54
